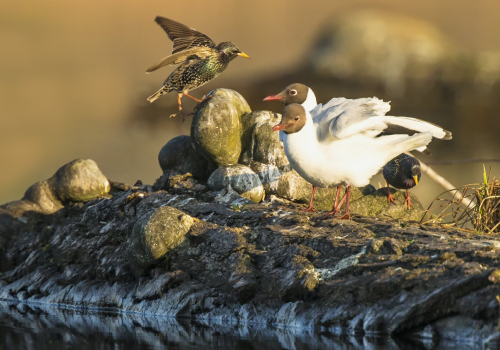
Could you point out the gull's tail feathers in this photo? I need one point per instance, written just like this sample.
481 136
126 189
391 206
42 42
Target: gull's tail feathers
416 142
405 125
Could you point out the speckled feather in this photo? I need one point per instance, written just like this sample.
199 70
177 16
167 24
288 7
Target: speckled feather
398 171
189 76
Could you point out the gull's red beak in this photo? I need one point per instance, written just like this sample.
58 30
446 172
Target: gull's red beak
280 127
273 98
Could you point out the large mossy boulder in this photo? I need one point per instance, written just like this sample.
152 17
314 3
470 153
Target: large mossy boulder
78 181
154 235
216 127
239 178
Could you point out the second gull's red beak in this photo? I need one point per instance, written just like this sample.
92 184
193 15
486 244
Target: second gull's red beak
280 127
273 98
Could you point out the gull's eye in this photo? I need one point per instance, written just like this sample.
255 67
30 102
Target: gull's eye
297 118
293 92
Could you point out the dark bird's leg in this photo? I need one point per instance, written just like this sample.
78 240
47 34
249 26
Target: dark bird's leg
336 206
390 198
181 112
408 201
194 98
347 215
311 207
203 99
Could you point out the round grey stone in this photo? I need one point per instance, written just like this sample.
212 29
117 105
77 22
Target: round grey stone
241 179
80 181
155 234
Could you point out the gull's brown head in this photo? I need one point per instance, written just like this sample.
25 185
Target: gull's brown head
294 93
293 119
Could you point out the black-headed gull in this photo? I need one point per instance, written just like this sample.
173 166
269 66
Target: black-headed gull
402 172
348 141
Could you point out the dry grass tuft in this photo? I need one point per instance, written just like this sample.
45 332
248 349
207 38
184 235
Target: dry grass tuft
482 214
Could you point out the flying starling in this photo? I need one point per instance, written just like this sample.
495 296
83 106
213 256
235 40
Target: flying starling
402 172
200 60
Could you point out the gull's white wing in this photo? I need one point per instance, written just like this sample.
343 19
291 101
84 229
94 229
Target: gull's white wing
342 118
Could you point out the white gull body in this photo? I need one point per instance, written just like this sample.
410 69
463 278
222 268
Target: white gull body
339 145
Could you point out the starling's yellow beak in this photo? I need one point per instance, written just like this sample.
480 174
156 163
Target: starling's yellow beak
416 179
242 54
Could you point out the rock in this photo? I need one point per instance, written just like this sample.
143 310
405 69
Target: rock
216 127
386 246
300 280
242 279
268 174
158 286
80 181
375 204
293 187
259 142
3 242
155 234
178 156
241 179
77 181
266 264
413 49
42 194
230 196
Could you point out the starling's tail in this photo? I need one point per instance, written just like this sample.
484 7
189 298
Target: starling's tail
165 89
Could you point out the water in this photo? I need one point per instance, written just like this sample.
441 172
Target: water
32 328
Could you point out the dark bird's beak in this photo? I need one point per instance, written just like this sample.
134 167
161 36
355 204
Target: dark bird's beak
280 126
242 54
416 179
273 98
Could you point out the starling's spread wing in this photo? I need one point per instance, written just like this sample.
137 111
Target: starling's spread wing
193 54
184 38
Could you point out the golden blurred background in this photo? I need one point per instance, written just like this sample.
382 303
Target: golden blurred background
72 81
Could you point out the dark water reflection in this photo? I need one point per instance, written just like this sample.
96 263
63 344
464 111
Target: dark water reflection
33 328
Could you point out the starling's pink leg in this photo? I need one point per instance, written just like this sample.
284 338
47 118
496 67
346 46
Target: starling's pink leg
347 215
311 207
390 198
336 206
181 112
194 98
408 201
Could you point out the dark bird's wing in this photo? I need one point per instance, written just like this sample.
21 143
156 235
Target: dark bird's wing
184 38
194 54
189 44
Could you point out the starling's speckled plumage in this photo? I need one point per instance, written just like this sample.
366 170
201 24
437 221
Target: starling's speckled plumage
402 172
200 60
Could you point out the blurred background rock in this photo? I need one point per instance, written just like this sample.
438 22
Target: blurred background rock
72 81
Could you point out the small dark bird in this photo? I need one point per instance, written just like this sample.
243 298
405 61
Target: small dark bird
200 60
402 172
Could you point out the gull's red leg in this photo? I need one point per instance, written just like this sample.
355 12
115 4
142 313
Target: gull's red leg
390 198
336 206
311 207
347 215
